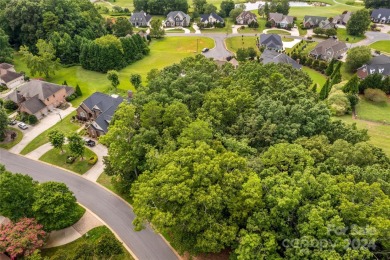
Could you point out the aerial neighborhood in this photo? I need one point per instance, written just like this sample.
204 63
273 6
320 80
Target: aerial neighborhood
194 129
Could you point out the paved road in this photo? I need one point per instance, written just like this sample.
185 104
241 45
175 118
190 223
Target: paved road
117 214
372 37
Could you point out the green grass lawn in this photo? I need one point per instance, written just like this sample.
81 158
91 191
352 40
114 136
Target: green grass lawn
379 133
227 29
369 110
164 52
175 31
9 145
105 180
235 43
91 237
346 75
260 29
381 46
317 77
276 31
327 11
79 166
65 126
285 39
343 36
302 32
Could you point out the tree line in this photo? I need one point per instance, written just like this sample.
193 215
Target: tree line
248 159
161 7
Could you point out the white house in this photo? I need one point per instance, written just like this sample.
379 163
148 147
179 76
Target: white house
9 77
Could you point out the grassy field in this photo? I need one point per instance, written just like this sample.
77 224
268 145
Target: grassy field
227 29
235 43
91 238
65 126
381 46
276 31
175 31
79 166
343 36
260 29
163 53
315 76
328 11
368 110
9 145
379 133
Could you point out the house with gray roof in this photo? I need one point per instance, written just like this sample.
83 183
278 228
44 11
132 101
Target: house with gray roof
377 65
326 24
99 109
342 18
246 18
269 56
281 20
38 98
140 19
211 18
312 21
177 19
329 49
9 77
271 41
380 15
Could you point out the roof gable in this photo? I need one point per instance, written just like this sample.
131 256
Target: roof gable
271 40
40 88
269 56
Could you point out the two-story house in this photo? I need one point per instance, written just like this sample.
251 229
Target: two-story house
329 49
280 20
377 65
9 77
246 18
177 19
211 18
140 19
380 15
271 42
312 21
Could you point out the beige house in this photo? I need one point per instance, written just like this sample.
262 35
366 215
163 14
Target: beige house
9 77
246 17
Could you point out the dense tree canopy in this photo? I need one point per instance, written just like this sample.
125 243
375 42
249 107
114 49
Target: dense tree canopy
5 48
357 57
359 22
376 3
161 7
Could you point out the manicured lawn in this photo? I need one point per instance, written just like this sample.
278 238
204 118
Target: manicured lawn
91 238
164 52
175 31
278 32
379 133
9 145
227 29
317 77
327 11
381 46
235 43
260 29
285 39
105 180
302 32
65 126
346 75
369 110
79 166
343 36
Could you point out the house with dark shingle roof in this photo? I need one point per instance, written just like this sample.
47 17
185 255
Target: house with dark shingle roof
140 19
280 20
380 15
98 108
342 18
246 17
379 65
271 41
269 56
38 97
9 77
177 19
211 18
312 21
329 49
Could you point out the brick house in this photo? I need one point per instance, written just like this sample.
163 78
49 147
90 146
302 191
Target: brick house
377 65
280 20
9 77
246 17
329 49
98 108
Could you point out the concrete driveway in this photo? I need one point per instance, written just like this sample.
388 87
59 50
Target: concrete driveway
45 123
94 173
219 52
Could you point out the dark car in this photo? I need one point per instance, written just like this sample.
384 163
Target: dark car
205 50
12 122
89 142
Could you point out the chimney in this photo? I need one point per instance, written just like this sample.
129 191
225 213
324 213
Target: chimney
298 61
130 94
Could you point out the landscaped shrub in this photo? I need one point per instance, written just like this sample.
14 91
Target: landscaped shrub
108 246
3 87
253 24
375 95
10 105
70 159
83 251
71 97
92 160
339 103
32 120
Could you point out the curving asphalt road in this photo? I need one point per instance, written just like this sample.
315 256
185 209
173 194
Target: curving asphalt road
117 214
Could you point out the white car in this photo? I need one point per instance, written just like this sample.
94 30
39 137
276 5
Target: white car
22 126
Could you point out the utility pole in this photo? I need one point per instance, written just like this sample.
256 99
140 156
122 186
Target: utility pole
197 45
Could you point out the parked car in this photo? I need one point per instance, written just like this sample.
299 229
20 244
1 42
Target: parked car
12 122
89 142
205 50
22 126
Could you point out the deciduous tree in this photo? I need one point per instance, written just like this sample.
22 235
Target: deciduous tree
5 48
57 139
122 27
356 57
113 76
358 23
156 30
76 144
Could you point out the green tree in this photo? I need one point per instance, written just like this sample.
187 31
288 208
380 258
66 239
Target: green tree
199 6
226 7
156 30
54 206
122 27
324 90
376 4
352 86
16 195
358 23
3 122
234 13
57 139
330 68
356 57
76 145
209 8
108 246
5 48
113 76
78 91
136 80
45 62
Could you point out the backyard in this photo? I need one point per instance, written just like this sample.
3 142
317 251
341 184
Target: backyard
317 77
368 110
343 36
327 11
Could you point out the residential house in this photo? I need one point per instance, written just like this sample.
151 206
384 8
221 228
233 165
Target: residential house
379 64
280 20
269 56
246 17
140 19
326 24
38 98
177 19
98 108
9 77
212 19
271 42
234 62
381 15
342 18
312 21
329 49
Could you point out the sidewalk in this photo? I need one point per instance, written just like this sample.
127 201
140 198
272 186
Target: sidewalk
64 236
94 173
